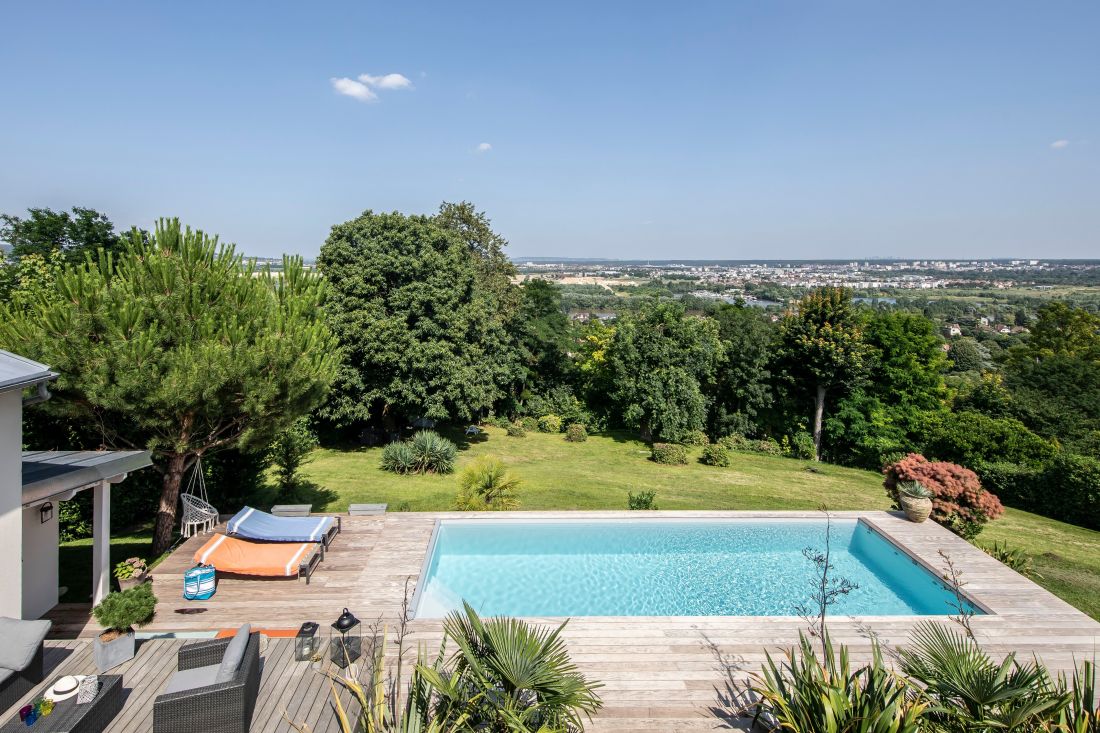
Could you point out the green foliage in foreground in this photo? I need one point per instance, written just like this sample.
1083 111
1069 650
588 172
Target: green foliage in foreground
506 676
946 684
596 474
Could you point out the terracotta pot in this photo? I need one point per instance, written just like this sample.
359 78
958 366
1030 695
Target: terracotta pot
917 510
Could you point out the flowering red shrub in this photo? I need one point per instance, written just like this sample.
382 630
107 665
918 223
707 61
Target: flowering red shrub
960 503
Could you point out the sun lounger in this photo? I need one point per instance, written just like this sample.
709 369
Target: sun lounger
254 524
265 559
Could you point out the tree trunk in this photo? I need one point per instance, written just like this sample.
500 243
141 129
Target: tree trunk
645 431
169 500
819 412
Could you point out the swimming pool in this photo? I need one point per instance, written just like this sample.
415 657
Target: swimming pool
666 567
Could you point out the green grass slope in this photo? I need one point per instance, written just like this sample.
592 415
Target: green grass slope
597 474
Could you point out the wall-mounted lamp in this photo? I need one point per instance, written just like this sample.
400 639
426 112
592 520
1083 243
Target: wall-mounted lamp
46 512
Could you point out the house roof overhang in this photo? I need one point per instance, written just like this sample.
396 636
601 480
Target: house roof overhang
19 372
58 475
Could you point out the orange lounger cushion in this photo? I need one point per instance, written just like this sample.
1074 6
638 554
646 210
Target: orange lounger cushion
277 559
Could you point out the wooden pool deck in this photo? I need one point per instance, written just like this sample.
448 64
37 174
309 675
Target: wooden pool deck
667 674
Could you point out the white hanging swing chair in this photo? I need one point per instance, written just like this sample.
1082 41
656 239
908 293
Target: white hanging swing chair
198 514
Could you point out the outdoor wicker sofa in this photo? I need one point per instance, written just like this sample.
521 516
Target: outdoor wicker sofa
21 658
215 687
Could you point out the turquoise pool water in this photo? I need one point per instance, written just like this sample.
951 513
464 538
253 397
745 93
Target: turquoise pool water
666 568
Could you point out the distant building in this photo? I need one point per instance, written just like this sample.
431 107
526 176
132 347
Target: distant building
953 329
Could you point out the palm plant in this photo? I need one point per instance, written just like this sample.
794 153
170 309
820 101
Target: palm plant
806 695
486 484
973 694
509 676
380 708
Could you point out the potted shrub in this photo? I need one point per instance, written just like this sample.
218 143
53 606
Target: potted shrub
131 572
118 614
915 499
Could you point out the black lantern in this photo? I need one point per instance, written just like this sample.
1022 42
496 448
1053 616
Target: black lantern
305 642
346 642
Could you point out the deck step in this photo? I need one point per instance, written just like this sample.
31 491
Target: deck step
366 510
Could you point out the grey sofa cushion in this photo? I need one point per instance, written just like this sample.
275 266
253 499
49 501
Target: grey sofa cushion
191 679
19 640
234 653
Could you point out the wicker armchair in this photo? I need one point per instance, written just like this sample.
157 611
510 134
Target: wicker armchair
21 681
225 706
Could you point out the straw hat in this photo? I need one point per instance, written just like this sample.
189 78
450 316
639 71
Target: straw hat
64 688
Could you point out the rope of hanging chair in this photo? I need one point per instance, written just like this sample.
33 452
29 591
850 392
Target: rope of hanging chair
197 476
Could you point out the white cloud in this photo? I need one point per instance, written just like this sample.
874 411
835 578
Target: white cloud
364 87
1059 144
355 89
484 147
386 81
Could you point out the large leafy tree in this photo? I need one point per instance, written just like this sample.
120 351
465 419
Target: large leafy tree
421 330
543 334
821 349
890 410
45 231
744 385
178 345
660 364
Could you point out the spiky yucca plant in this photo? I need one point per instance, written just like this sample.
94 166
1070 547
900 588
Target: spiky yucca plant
804 694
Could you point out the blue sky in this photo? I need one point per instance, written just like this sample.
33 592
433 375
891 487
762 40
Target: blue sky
737 129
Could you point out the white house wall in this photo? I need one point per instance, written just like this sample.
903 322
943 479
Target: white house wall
11 504
40 556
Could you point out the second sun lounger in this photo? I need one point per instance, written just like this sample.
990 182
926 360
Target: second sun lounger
254 524
265 559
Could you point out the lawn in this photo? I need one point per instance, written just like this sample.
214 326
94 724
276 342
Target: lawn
75 561
598 474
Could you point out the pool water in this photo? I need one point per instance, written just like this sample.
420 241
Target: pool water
737 567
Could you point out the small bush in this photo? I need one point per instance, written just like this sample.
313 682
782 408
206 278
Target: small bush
288 452
399 457
716 455
696 437
642 500
576 433
529 423
516 430
669 454
735 442
486 485
766 446
802 445
549 424
124 610
960 503
434 453
501 421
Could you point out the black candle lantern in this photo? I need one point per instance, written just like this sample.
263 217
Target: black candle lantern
346 643
305 642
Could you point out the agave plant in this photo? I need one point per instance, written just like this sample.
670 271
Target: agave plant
973 694
914 490
510 676
1014 558
804 694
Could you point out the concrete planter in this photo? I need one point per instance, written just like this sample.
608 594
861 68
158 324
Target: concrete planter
109 655
917 510
131 582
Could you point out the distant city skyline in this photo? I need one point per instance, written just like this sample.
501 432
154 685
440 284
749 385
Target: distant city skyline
709 130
